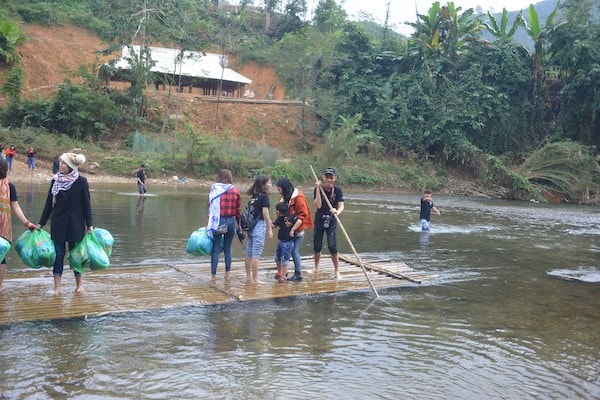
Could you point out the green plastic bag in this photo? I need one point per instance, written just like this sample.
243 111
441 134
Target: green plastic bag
105 239
88 254
36 248
199 243
79 259
4 248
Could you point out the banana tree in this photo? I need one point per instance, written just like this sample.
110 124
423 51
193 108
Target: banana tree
538 34
457 28
500 31
441 34
427 29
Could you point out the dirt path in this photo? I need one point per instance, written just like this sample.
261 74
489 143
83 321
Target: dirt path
43 173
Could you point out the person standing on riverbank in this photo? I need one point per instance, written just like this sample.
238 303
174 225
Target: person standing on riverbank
426 208
69 204
10 154
325 221
31 152
141 179
298 207
224 209
9 202
259 204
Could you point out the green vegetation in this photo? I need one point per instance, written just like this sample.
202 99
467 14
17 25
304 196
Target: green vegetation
389 110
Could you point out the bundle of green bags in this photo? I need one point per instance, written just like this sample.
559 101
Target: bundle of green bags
36 248
92 251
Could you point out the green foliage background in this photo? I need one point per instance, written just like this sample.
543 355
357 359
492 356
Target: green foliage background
391 110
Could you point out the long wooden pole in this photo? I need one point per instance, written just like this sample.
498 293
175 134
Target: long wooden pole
337 218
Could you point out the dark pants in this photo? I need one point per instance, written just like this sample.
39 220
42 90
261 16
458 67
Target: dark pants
319 232
61 250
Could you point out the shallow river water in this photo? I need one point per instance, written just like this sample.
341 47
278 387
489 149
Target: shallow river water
504 319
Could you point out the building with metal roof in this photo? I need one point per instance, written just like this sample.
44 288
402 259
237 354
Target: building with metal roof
191 71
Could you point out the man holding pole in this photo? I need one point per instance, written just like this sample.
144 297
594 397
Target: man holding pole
325 218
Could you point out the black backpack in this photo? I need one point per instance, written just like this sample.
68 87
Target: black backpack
248 219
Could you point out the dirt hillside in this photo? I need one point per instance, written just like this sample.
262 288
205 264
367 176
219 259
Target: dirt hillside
51 54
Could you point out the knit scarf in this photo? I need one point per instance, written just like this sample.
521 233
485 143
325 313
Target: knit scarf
63 182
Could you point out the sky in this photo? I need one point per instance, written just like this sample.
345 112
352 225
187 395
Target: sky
406 10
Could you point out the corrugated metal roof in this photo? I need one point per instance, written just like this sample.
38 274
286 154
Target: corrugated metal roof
190 63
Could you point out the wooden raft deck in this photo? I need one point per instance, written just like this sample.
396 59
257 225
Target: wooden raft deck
28 294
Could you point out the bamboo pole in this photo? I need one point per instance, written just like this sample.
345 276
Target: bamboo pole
337 218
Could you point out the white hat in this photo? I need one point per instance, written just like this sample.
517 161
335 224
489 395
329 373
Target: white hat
72 160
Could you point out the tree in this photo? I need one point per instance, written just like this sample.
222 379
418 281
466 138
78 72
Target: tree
228 33
14 84
270 6
312 57
501 31
329 17
539 35
292 19
440 35
10 38
575 83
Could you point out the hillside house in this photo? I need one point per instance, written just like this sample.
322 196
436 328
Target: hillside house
189 71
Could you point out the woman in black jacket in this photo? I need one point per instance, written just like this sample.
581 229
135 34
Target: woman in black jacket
69 204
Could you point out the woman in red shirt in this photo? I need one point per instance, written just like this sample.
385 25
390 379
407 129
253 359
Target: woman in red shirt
225 204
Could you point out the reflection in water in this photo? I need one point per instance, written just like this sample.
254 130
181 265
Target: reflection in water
139 208
30 196
424 240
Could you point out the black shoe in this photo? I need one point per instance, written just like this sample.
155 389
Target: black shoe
295 278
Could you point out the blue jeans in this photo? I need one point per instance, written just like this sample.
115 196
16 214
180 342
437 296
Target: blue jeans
296 253
31 162
256 240
425 225
9 162
283 252
227 241
59 262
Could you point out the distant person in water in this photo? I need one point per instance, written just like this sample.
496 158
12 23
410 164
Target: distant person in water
141 180
426 208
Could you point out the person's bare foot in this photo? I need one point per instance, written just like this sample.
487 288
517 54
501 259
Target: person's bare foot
227 277
57 292
338 277
257 282
313 271
79 289
213 279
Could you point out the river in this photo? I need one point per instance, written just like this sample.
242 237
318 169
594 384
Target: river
513 314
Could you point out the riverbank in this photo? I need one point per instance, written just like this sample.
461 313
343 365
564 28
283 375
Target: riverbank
43 173
457 185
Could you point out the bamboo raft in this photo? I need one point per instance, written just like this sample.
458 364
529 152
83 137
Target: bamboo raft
28 294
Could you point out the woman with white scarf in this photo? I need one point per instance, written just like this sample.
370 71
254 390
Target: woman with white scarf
69 204
224 207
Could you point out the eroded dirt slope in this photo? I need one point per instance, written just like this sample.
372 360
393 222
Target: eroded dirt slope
51 54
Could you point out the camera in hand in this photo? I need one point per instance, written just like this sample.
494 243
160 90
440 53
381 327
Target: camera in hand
326 221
